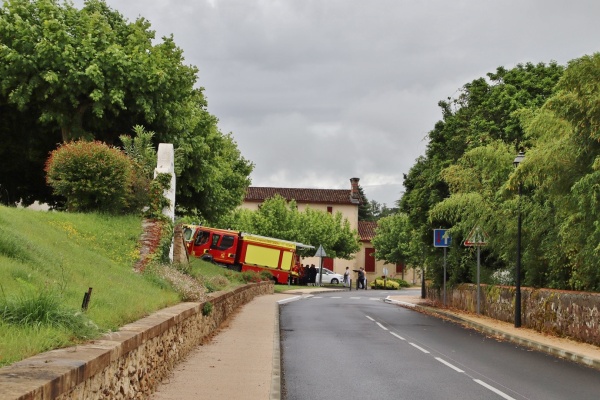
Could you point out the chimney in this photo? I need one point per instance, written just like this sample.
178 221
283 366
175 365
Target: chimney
354 193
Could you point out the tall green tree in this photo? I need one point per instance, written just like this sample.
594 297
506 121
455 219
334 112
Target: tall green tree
479 198
485 111
281 219
561 179
365 212
392 239
88 64
67 74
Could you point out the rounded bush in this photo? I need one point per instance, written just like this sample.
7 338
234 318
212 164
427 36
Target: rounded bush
385 284
92 176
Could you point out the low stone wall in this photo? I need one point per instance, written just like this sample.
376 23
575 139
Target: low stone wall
558 312
127 364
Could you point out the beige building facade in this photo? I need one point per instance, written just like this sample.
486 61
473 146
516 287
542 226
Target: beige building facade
345 201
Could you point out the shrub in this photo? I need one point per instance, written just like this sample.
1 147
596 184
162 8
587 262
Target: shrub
156 196
188 288
45 309
266 275
401 282
251 276
217 282
91 175
385 284
142 153
207 308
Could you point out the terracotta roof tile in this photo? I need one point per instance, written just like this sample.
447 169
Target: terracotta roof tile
366 230
323 196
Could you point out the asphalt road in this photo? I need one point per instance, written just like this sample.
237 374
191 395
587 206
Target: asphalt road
352 345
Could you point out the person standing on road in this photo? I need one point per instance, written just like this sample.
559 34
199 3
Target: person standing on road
313 275
347 277
360 282
306 276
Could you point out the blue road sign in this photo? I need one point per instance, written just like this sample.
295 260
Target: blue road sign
441 238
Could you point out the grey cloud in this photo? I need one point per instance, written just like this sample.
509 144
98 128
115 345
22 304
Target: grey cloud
316 91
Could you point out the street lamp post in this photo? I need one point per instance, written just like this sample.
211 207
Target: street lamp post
518 159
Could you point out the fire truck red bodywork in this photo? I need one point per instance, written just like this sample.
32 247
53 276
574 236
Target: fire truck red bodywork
241 251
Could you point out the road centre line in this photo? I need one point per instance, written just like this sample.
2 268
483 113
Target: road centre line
381 326
446 363
493 389
398 336
419 347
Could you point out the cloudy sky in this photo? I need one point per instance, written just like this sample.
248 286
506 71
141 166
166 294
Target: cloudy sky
319 91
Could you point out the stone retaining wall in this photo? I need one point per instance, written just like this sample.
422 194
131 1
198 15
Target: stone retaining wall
558 312
127 364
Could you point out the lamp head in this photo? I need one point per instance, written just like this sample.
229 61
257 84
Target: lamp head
518 159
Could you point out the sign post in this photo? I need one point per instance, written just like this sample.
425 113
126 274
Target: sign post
320 253
385 274
442 238
477 237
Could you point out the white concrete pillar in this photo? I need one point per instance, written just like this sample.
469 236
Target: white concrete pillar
166 164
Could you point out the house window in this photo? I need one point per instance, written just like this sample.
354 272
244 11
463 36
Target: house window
330 209
370 259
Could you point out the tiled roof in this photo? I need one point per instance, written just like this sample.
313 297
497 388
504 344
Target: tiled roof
366 230
323 196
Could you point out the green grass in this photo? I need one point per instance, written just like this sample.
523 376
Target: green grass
48 260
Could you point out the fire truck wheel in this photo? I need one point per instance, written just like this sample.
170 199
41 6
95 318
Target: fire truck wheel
207 257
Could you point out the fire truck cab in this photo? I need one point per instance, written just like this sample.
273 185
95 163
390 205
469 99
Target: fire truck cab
242 251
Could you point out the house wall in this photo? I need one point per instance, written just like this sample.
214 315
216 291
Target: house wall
410 275
348 211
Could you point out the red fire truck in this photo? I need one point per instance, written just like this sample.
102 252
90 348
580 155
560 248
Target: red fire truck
242 251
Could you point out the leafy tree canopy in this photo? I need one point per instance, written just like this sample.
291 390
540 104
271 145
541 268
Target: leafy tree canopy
460 181
67 74
280 219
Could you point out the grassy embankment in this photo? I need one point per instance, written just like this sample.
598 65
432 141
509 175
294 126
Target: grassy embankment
48 260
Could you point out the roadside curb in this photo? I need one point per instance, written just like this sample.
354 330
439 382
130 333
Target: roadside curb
548 349
276 373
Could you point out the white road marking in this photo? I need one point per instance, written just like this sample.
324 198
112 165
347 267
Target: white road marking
289 299
419 347
446 363
489 387
493 389
382 327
